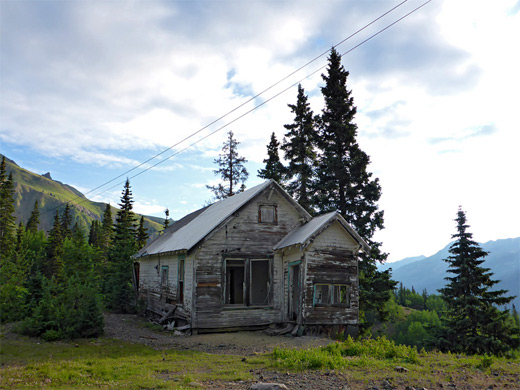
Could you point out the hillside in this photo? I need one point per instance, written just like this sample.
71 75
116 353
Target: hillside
429 273
50 194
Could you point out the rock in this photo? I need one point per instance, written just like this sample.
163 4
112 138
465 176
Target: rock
386 385
244 359
401 369
195 384
268 386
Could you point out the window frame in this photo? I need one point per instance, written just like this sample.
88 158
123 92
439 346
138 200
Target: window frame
275 213
247 290
165 270
331 287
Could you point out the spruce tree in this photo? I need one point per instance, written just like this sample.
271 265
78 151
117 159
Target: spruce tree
66 222
107 229
142 234
274 169
231 170
166 222
473 323
53 265
299 147
7 219
344 183
118 283
94 233
34 219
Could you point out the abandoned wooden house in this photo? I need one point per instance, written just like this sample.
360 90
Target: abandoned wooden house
252 260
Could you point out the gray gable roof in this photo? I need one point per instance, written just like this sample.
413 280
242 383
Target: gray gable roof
184 234
305 233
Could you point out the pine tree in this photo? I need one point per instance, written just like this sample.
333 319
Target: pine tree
142 234
299 148
54 249
231 170
34 219
94 235
473 324
107 229
344 183
66 222
7 219
118 283
274 169
166 222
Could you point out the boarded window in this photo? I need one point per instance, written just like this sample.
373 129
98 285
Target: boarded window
331 294
259 291
235 278
267 214
164 275
180 291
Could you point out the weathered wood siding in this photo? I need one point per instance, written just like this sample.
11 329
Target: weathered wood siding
288 256
330 260
157 296
242 237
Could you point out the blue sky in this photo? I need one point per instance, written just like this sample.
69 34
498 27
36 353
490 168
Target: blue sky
90 89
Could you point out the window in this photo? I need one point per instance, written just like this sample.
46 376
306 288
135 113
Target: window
267 214
331 294
247 282
164 275
259 292
235 277
180 289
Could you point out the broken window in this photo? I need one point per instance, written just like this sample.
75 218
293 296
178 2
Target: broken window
164 275
267 214
235 277
247 282
259 282
180 289
331 294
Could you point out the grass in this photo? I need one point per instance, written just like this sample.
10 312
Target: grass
28 363
111 364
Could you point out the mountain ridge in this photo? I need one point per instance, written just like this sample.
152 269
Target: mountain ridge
52 194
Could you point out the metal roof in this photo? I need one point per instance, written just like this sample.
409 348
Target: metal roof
303 234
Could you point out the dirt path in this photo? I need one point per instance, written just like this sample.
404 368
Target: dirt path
136 329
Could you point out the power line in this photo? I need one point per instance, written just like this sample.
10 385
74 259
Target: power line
244 103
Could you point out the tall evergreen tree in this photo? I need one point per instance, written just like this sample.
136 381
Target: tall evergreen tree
54 249
7 219
166 222
118 284
299 147
231 170
107 229
66 222
274 169
94 233
34 219
473 323
141 234
344 183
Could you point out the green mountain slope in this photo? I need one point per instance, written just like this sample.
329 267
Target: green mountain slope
51 194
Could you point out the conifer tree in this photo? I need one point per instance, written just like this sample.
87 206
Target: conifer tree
231 170
66 222
473 323
274 169
34 219
344 183
94 233
299 147
7 219
54 249
118 285
166 222
142 234
107 229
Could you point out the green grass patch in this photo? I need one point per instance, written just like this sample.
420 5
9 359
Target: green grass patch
336 355
111 364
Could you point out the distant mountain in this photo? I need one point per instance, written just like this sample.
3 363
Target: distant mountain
50 194
429 273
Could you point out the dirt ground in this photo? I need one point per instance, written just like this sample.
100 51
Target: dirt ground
134 328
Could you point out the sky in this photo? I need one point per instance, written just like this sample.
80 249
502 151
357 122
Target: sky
89 90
